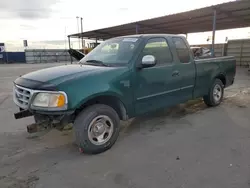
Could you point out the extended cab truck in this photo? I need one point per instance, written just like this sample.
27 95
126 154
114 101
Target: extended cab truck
121 78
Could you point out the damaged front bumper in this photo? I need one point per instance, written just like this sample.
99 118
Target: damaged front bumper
26 113
22 114
46 120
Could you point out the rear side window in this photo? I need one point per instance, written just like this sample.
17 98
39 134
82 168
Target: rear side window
158 47
182 50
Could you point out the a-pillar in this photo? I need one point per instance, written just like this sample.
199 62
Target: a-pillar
71 60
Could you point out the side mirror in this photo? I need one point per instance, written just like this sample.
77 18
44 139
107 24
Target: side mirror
148 61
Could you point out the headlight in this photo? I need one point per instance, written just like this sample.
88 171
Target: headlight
50 100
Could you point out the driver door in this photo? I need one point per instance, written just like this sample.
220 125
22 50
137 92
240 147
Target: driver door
156 87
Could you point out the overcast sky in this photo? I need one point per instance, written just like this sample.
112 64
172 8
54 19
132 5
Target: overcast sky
44 20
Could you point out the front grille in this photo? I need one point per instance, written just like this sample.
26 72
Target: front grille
22 96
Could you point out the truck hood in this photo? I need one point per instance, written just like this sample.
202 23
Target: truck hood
46 78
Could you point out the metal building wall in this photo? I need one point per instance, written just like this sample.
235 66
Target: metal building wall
46 55
240 49
218 48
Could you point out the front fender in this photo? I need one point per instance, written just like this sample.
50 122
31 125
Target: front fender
79 94
101 94
107 83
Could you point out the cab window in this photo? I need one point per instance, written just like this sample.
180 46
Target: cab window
182 50
158 47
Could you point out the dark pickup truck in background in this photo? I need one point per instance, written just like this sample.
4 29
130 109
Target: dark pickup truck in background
123 77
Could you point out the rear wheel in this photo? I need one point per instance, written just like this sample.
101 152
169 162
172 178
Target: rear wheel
215 94
96 129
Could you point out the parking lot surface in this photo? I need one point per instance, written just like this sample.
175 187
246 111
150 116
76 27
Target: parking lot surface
187 146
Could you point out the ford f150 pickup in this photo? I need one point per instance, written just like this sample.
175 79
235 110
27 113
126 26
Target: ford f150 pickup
123 77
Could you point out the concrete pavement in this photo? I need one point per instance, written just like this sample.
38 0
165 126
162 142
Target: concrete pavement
188 146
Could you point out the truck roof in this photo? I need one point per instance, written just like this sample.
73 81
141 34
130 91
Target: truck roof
151 35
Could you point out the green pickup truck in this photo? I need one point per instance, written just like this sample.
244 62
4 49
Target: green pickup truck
122 78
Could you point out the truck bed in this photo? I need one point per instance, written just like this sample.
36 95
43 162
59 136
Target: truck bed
209 67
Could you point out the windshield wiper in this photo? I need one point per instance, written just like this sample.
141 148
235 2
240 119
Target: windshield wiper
94 62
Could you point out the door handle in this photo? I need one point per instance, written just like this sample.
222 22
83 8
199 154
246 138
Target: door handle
175 73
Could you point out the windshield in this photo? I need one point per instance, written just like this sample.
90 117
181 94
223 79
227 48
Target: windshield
117 51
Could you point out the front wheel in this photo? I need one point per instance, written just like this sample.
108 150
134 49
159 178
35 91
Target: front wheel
215 94
96 129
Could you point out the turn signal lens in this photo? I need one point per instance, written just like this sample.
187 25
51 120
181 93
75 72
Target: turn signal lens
61 100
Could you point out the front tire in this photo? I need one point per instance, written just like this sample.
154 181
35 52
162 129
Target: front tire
215 94
96 129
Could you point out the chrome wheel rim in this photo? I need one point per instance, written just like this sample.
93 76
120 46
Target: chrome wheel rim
217 93
100 130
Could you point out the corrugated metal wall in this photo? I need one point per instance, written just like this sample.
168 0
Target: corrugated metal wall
240 49
218 48
46 55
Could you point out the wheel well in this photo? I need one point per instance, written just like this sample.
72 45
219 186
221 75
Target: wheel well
111 101
222 78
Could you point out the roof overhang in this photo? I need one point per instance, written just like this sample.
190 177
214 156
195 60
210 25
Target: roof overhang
230 15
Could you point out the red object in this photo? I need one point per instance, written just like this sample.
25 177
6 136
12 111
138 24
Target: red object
80 150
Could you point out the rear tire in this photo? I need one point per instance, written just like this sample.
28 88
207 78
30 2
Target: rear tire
215 94
96 129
